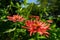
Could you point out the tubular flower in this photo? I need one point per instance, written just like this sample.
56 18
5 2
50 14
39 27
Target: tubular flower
37 26
15 18
37 17
50 21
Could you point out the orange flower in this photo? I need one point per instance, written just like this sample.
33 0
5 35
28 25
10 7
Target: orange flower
15 18
49 21
37 17
37 26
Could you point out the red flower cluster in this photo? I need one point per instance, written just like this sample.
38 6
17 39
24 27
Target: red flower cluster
37 26
15 18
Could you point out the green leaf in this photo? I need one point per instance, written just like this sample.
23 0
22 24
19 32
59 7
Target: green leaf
53 26
51 17
17 5
10 30
25 1
32 39
21 30
42 37
3 17
58 18
12 4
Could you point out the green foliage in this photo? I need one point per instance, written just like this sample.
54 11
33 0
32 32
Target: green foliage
13 30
